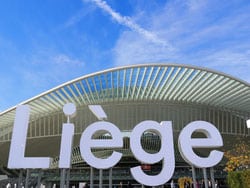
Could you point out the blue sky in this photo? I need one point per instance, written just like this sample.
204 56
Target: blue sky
45 43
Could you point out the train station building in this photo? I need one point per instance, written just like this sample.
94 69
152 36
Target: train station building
128 95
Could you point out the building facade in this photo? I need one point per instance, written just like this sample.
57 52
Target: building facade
130 95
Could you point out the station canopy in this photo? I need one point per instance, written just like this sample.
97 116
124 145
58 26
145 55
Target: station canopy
170 83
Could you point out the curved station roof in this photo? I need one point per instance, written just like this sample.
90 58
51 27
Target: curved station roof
169 82
154 83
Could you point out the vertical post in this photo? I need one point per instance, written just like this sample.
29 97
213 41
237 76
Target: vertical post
110 178
67 177
205 177
100 178
212 177
62 178
194 177
91 177
20 178
27 178
69 110
39 179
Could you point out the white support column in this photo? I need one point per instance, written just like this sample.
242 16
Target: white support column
62 178
20 179
205 177
39 179
194 177
110 178
212 177
100 178
27 178
91 177
67 177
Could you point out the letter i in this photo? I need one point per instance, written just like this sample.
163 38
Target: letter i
69 110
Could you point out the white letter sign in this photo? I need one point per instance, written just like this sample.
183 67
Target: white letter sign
66 145
90 139
18 143
166 153
186 144
87 142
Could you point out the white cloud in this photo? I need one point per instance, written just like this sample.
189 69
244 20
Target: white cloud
78 16
63 59
42 71
138 50
128 22
196 4
201 34
54 68
75 18
235 63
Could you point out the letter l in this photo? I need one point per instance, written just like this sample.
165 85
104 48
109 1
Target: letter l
18 143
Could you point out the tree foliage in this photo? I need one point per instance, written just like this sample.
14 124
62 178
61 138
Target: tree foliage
239 179
183 180
238 157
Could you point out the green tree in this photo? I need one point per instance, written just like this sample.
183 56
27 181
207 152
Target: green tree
238 157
